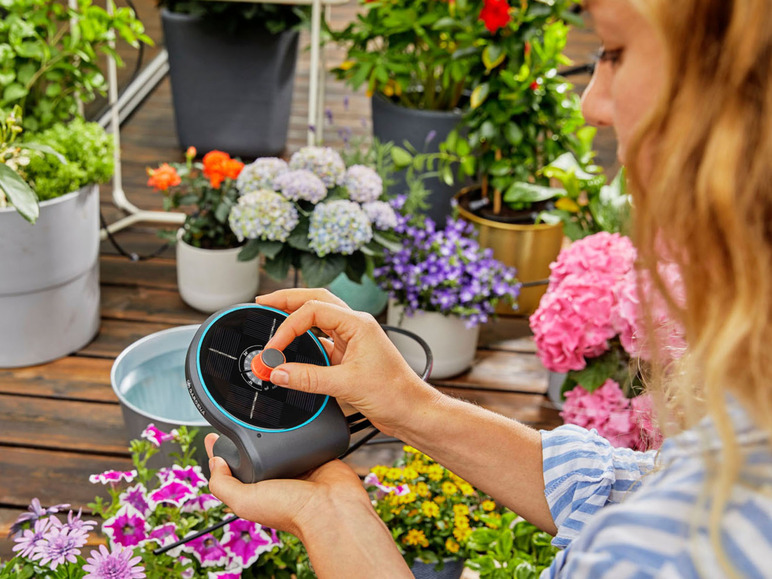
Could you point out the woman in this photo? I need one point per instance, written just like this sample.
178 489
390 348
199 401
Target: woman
688 87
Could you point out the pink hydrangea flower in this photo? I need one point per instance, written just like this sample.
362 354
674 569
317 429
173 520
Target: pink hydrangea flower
127 528
113 477
157 436
606 410
246 541
606 255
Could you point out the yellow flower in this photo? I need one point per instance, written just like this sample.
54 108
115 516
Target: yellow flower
430 509
410 449
412 513
422 489
346 64
460 509
380 471
452 546
466 489
488 505
417 466
461 521
410 473
408 498
435 472
394 474
448 488
415 537
462 535
439 500
493 521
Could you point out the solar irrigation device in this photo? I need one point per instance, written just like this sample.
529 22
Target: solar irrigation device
267 431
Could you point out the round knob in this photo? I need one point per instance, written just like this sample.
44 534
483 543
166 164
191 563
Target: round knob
264 363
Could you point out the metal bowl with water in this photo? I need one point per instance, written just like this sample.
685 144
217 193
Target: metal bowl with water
148 378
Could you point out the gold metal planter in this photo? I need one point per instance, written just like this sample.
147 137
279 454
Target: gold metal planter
528 248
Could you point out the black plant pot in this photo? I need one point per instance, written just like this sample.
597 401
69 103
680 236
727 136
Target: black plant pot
231 86
392 122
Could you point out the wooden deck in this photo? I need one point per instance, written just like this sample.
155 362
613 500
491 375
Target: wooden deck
60 422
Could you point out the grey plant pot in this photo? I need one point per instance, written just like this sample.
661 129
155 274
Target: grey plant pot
49 286
232 90
452 569
392 122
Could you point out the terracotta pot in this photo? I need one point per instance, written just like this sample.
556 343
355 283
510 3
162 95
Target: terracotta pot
530 248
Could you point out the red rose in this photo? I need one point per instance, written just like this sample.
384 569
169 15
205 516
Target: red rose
495 14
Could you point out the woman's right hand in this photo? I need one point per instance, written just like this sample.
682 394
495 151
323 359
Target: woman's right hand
367 371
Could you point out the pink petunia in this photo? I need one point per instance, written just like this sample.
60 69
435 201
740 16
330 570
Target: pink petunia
127 528
113 477
157 436
372 480
208 550
136 496
171 493
200 503
246 541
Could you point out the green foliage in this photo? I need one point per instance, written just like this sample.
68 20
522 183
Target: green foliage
49 56
275 18
88 151
509 548
14 190
615 364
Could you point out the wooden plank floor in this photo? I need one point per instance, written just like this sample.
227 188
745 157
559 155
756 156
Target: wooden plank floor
61 421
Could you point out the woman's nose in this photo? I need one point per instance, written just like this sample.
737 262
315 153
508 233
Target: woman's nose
597 105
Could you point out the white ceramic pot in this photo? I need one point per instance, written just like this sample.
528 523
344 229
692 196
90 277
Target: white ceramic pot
453 345
49 279
211 279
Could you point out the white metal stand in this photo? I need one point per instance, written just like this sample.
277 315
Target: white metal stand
136 92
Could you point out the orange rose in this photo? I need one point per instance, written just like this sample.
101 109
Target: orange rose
218 166
191 152
164 177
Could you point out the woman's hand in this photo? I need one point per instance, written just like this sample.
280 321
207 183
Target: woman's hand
328 509
368 371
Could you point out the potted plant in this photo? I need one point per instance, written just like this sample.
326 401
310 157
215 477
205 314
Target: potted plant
436 60
587 331
232 70
430 512
209 274
329 222
508 546
147 509
442 286
49 293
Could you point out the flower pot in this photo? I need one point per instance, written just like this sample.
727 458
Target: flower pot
528 248
452 569
453 345
49 286
211 279
231 89
395 123
365 296
148 378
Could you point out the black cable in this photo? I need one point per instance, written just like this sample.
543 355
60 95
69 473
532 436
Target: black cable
587 68
130 254
162 550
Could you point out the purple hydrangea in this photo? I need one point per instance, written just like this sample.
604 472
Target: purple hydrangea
260 174
120 564
338 227
263 215
446 271
246 541
363 184
381 215
301 184
323 162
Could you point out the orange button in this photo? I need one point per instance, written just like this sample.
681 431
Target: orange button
264 363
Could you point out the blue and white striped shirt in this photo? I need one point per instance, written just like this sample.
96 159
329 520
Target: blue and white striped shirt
619 517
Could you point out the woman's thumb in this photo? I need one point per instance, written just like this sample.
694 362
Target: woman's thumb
304 377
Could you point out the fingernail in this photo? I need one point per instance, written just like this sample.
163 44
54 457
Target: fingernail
280 377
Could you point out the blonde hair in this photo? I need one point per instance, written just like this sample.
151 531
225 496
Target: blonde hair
706 203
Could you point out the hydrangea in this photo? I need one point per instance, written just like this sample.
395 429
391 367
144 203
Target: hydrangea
338 227
324 162
362 183
624 422
301 185
606 257
446 271
380 214
260 174
263 215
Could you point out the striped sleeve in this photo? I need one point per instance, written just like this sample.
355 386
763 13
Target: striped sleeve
583 473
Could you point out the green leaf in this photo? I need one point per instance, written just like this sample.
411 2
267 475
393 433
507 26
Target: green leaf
513 133
479 94
401 157
299 236
21 195
529 193
278 267
492 56
250 251
320 271
14 91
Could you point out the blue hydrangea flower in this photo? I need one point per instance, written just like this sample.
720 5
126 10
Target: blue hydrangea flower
380 214
301 184
263 215
260 174
363 183
338 227
323 162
